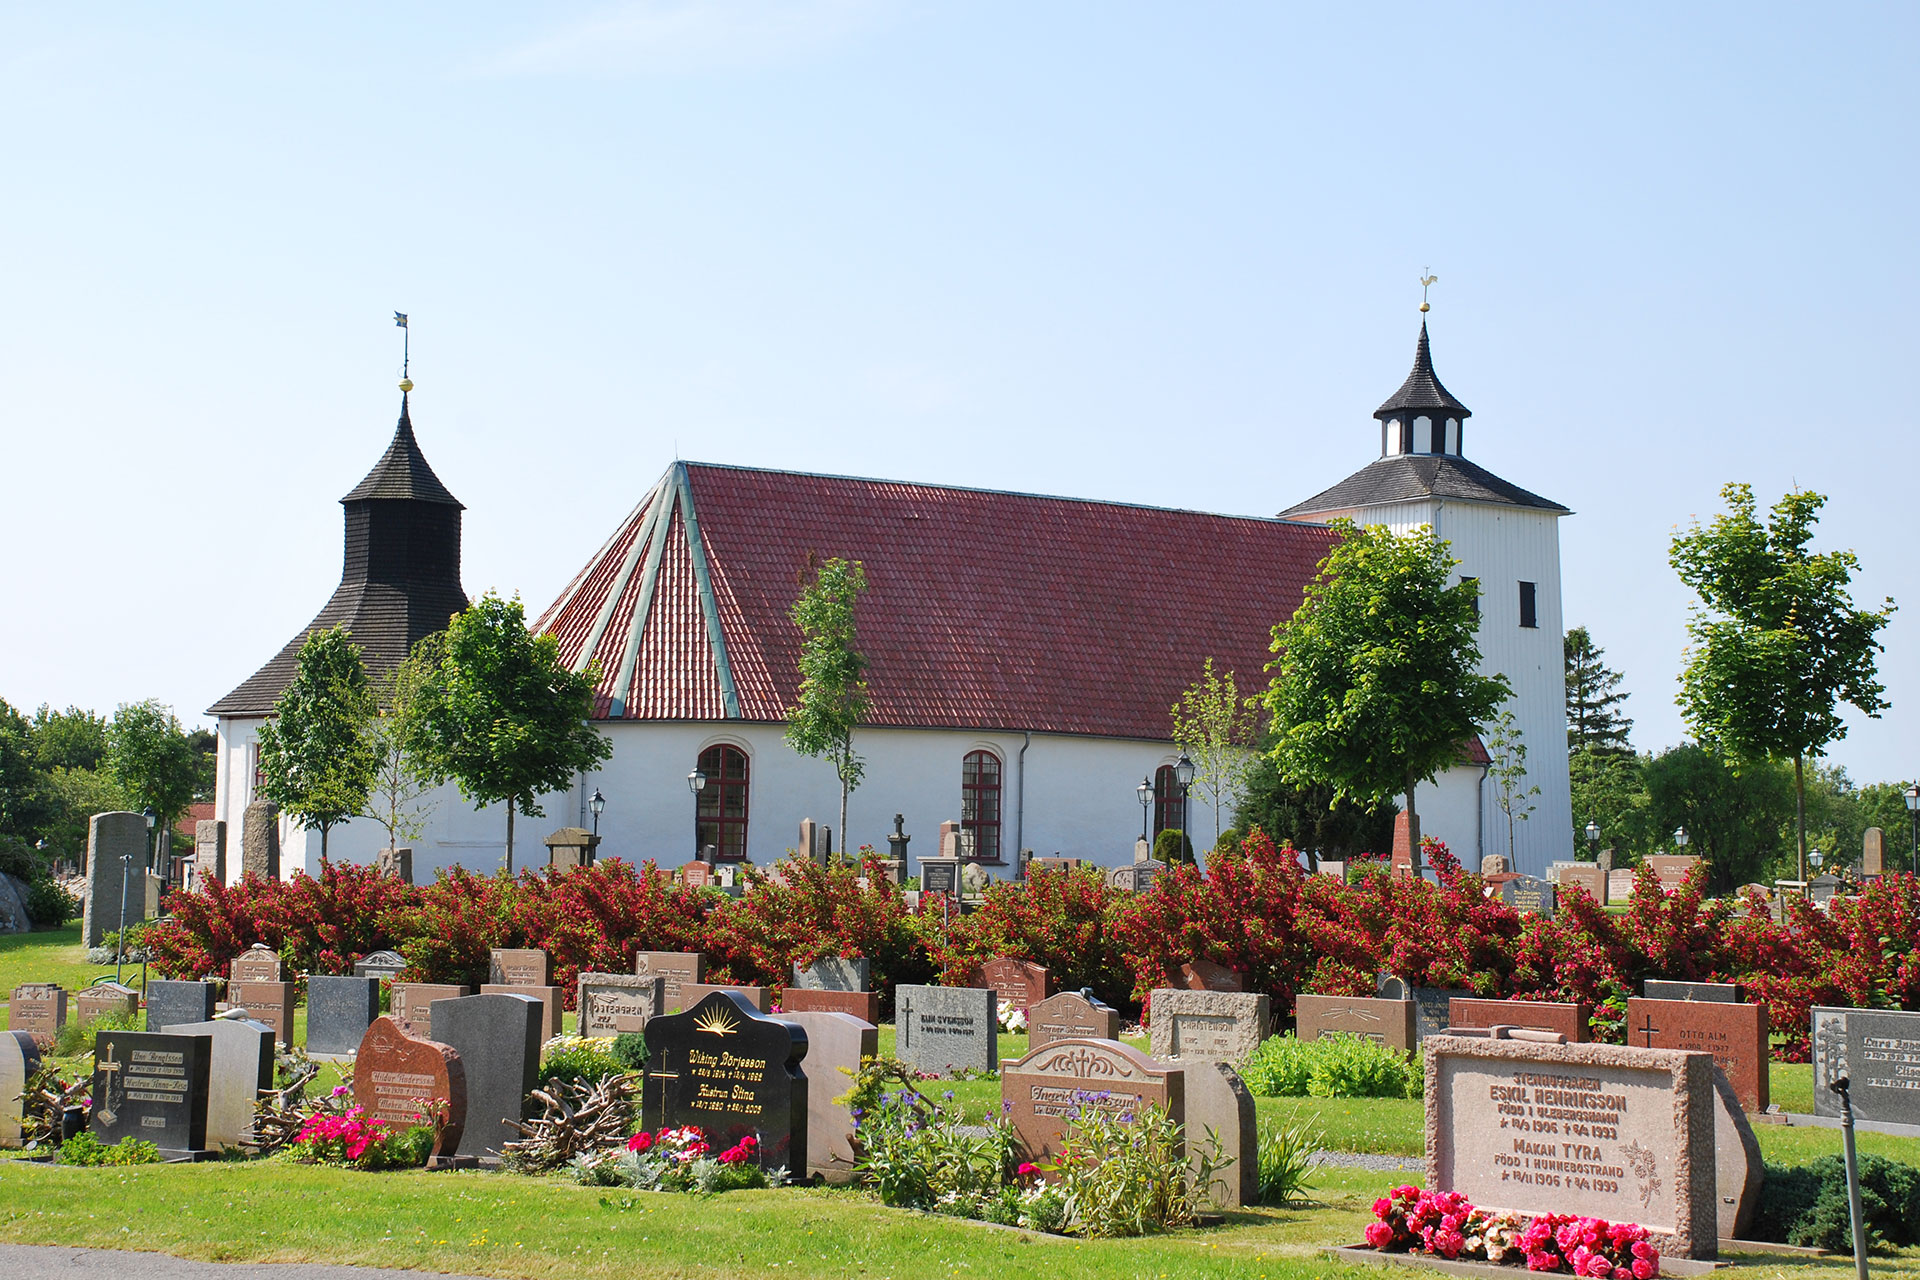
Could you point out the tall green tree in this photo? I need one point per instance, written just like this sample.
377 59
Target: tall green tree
1310 818
1593 697
1777 644
502 716
1608 791
149 758
1884 805
24 805
402 775
1377 685
833 685
315 760
1734 816
70 739
1215 728
1507 771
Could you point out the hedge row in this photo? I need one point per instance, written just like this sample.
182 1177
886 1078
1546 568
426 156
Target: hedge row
1252 908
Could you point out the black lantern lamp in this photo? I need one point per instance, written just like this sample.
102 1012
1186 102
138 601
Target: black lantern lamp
1145 792
598 806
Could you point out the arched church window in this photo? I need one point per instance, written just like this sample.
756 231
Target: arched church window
720 807
1393 441
1169 805
980 802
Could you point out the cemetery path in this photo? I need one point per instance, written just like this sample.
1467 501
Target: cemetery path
60 1262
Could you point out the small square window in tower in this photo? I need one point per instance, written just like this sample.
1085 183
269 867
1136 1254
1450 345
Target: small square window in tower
1529 617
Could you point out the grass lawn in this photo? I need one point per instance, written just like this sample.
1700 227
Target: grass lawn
50 955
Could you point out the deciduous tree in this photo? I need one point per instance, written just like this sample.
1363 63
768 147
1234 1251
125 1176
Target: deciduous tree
149 758
1377 683
316 762
1507 771
401 773
833 686
1777 644
1215 728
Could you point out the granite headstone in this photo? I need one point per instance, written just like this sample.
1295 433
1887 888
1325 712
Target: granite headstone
1717 992
339 1011
1431 1005
171 1003
836 1042
1528 895
611 1004
210 852
834 973
268 1002
735 1073
946 1029
116 862
258 963
519 968
864 1005
1220 1110
19 1059
40 1010
1071 1015
1017 983
260 840
1569 1020
498 1040
677 967
380 964
1735 1034
1050 1083
692 993
239 1066
396 1075
410 1005
552 1001
1207 1026
1205 975
1878 1051
153 1087
1387 1022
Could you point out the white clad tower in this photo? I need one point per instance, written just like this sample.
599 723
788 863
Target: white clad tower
1508 539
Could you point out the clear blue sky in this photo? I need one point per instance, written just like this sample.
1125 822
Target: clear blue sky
1163 254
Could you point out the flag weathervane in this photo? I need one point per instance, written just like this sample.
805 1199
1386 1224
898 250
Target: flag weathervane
1427 281
406 353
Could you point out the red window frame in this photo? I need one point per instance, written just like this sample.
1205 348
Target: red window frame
1169 806
720 808
980 775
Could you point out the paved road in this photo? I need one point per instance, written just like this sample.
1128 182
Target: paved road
56 1262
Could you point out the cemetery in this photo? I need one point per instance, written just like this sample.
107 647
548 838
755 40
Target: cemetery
1245 1061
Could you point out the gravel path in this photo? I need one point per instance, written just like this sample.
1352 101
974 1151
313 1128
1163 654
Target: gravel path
1362 1160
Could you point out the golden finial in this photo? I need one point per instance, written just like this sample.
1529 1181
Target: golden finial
1427 282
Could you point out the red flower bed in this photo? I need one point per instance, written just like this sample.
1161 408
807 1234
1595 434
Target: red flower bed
1064 920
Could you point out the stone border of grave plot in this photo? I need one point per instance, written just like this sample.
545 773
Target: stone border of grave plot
1367 1256
1801 1119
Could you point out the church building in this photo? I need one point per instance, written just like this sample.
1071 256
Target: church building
1024 651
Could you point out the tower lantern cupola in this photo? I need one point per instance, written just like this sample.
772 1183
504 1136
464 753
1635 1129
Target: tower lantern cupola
1422 416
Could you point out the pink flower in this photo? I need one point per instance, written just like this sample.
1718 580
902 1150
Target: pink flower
1644 1270
1379 1235
1028 1169
640 1141
1381 1207
1542 1262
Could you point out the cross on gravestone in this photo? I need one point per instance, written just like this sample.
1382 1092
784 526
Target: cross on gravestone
109 1071
898 841
1649 1031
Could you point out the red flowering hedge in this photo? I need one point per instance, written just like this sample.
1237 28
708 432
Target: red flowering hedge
1252 908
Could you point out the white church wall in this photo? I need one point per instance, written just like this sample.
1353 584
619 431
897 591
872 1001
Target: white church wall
1450 812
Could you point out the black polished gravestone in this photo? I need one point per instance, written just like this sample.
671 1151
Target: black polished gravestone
734 1072
1431 1005
152 1087
498 1039
1712 992
171 1003
339 1011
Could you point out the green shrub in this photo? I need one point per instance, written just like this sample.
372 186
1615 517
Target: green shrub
1806 1205
630 1050
49 904
1125 1174
1286 1157
1172 846
77 1037
1334 1066
919 1154
85 1149
581 1058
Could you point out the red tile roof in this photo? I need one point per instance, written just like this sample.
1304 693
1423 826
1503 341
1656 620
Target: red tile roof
983 609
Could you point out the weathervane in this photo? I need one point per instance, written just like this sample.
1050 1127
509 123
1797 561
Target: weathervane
406 353
1426 282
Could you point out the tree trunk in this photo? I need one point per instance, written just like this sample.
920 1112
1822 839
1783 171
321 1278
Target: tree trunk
846 754
324 827
1413 825
1800 813
510 803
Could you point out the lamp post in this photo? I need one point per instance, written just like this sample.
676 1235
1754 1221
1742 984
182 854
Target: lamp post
696 783
598 806
1183 772
1593 839
1913 816
1145 792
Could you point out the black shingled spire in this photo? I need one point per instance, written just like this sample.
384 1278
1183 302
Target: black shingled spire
400 576
1422 390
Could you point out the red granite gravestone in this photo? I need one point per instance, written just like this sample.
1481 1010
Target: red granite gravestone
268 1002
1070 1016
677 967
411 1002
1053 1081
256 964
1735 1034
696 875
692 993
1586 876
1671 868
1018 983
104 999
40 1010
1205 975
395 1075
1402 860
1569 1020
1387 1022
864 1005
550 999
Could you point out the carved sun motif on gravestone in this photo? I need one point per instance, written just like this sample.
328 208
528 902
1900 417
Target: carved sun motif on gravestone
717 1022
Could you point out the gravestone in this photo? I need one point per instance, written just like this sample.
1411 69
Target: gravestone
1431 1005
153 1087
835 1044
1735 1034
1569 1020
153 888
39 1009
1207 1026
1017 983
380 964
260 840
1739 1170
1873 852
397 863
210 852
1718 992
1137 877
695 875
952 841
694 992
526 968
898 841
171 1003
19 1059
239 1066
1596 1130
571 847
1387 1022
268 1002
735 1073
1619 885
395 1075
946 1029
807 845
1584 875
864 1005
1822 888
974 880
1205 975
258 963
1495 864
339 1011
1671 868
677 967
551 1004
498 1040
1528 895
1057 1079
1404 860
1604 860
1220 1109
940 876
1335 867
410 1005
116 863
1071 1015
611 1004
1878 1050
104 999
834 973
